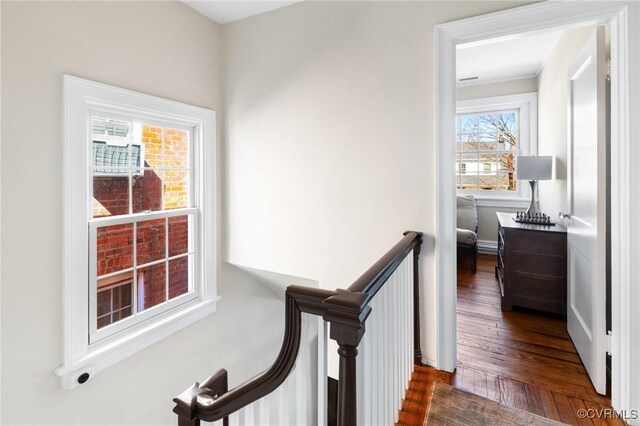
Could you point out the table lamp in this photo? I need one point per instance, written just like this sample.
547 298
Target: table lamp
533 169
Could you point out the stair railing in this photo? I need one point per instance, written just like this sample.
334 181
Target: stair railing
346 310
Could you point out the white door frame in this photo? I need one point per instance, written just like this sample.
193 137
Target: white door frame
625 158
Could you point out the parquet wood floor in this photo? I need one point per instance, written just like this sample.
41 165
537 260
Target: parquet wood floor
521 359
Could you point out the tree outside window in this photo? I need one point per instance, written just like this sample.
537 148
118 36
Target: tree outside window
487 145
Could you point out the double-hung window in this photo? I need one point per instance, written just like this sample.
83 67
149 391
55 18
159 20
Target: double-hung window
139 222
490 134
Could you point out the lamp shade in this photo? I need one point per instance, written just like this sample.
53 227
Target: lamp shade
534 167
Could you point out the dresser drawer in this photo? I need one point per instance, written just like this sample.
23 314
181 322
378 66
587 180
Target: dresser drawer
551 265
532 265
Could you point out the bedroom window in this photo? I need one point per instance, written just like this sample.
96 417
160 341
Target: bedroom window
139 223
490 134
488 144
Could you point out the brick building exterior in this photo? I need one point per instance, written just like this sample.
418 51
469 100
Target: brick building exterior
163 183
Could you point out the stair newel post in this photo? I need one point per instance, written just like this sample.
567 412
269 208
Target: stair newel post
417 352
347 312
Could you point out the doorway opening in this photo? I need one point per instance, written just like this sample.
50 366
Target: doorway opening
511 121
507 25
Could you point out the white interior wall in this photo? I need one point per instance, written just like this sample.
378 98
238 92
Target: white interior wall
500 88
330 128
487 220
160 48
553 95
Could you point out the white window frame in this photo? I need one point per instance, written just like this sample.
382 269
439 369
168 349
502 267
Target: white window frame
82 98
527 104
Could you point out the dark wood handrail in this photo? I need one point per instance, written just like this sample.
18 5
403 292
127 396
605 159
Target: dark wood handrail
196 403
346 310
375 277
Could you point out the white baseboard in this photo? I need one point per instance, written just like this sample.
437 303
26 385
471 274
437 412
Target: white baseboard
487 246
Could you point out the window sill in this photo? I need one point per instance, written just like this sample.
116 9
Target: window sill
98 359
506 202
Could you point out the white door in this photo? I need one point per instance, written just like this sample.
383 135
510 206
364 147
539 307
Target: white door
586 308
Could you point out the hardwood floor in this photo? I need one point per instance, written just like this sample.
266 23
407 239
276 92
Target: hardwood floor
521 359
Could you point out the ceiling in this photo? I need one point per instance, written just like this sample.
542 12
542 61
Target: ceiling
505 58
224 12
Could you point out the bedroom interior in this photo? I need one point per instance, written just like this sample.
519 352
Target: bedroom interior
513 343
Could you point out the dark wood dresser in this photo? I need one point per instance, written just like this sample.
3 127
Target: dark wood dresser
532 265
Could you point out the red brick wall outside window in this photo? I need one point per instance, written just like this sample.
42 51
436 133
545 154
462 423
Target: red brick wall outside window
162 184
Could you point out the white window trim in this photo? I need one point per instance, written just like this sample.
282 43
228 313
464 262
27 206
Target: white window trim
81 98
527 103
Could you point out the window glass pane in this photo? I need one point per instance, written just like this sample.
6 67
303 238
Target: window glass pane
109 157
507 181
468 123
179 276
469 163
469 171
176 149
469 181
153 285
115 299
150 241
104 309
487 182
152 146
114 248
147 190
165 147
178 235
487 164
108 127
507 162
469 142
110 194
507 140
487 141
508 121
112 148
176 189
487 123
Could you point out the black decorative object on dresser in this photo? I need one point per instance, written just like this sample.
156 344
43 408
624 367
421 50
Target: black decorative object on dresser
532 265
534 218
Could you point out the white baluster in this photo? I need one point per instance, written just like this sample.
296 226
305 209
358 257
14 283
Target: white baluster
399 344
408 309
393 349
299 390
322 372
263 410
360 374
405 325
234 418
375 361
388 415
249 417
408 320
403 328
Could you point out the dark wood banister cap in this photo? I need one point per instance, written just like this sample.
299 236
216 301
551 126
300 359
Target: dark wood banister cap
354 299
